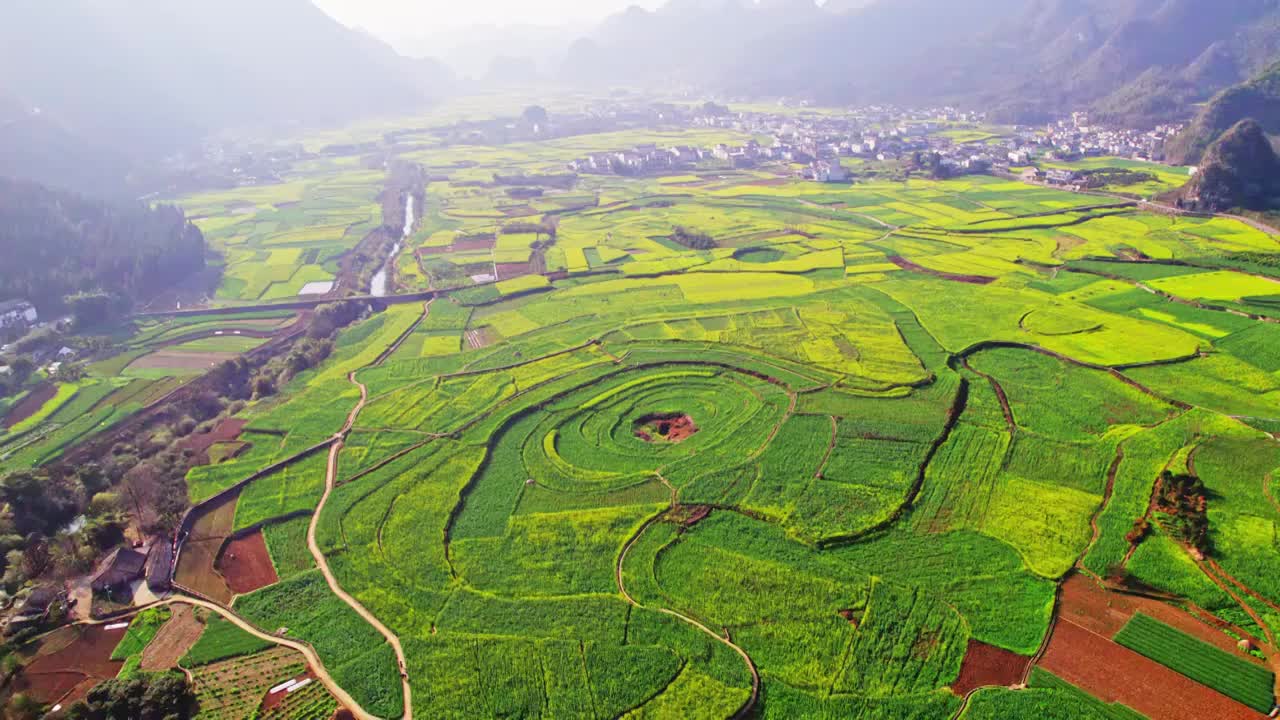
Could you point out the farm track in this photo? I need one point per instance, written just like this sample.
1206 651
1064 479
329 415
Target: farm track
1229 588
746 710
331 476
1094 527
1268 489
1009 420
322 563
831 447
313 659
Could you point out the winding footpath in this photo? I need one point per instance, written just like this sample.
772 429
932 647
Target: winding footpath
749 706
330 480
322 674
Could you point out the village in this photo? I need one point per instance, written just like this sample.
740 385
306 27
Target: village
830 147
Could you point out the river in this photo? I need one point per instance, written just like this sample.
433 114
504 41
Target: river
378 288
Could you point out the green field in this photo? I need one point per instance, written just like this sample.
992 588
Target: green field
1237 678
875 422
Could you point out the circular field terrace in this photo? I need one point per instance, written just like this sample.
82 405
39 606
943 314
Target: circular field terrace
630 426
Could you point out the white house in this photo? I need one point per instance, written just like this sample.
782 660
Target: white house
18 314
829 172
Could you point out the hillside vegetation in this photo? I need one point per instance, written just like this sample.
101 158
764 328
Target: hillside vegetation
1240 170
57 243
1258 99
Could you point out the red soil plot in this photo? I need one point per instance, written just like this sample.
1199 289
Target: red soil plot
246 564
1105 612
989 666
70 662
195 569
226 431
1118 675
506 271
665 428
173 640
483 243
30 405
906 264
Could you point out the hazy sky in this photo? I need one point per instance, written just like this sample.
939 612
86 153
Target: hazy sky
428 16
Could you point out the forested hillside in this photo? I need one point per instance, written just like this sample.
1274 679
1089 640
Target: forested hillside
56 244
1258 99
1240 170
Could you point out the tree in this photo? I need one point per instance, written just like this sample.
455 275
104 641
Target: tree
535 115
166 696
90 310
22 707
712 109
92 478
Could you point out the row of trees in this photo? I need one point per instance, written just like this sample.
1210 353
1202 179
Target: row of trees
143 473
692 239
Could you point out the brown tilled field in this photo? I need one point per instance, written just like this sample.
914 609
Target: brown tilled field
30 405
989 666
1116 674
227 431
196 563
173 640
175 360
246 564
1104 612
68 663
479 243
506 271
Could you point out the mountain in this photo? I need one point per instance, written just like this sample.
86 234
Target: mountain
1139 61
684 41
144 78
1258 99
1239 170
472 51
37 147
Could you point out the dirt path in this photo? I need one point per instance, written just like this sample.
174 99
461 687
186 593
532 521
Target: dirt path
1095 528
330 480
746 709
344 698
1010 422
1269 490
831 447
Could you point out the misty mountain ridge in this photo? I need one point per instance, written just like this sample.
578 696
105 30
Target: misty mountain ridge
1133 61
145 78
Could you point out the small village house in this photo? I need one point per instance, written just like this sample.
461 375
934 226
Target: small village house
118 571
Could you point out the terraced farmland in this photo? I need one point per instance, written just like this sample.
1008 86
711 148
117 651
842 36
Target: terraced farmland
797 474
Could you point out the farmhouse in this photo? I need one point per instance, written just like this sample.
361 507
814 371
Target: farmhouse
17 315
159 565
824 171
1061 177
118 570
